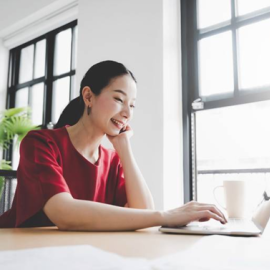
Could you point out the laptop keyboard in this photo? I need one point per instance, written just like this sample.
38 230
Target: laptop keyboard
233 224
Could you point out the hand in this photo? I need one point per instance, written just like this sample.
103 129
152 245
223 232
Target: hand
192 211
122 138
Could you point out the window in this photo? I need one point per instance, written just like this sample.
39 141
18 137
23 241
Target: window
42 75
226 95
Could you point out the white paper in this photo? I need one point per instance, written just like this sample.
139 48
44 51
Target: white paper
68 258
209 253
220 252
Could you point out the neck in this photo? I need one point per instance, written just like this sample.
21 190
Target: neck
85 138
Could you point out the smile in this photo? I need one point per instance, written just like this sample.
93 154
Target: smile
117 123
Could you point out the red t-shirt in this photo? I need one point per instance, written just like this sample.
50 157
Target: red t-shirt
50 164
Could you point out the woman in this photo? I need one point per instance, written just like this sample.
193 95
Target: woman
66 178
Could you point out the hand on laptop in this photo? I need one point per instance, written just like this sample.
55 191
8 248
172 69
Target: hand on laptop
192 211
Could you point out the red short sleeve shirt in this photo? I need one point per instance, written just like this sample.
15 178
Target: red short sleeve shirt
50 164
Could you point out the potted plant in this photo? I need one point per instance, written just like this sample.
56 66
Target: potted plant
15 123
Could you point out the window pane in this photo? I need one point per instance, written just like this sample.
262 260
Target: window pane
254 44
21 98
26 64
216 65
74 51
36 103
62 52
74 90
212 12
234 137
40 59
60 97
247 6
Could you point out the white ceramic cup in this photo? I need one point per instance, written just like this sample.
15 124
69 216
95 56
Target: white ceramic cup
235 195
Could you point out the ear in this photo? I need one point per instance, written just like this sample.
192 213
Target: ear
88 96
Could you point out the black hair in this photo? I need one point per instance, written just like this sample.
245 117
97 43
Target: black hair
97 77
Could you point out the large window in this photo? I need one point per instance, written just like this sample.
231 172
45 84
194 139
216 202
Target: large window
42 75
226 95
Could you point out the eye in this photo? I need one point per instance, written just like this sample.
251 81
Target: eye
132 106
118 99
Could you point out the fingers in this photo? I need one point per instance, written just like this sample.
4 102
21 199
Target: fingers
213 209
203 208
205 215
127 128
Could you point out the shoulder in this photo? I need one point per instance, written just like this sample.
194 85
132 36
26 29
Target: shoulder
46 137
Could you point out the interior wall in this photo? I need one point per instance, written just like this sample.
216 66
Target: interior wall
132 32
12 11
3 74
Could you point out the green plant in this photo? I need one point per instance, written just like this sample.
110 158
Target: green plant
15 123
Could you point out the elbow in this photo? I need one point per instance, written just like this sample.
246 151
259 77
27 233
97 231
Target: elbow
63 225
151 207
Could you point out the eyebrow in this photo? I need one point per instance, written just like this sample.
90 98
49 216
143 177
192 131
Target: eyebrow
122 92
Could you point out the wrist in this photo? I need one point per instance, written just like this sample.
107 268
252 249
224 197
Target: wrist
159 218
122 148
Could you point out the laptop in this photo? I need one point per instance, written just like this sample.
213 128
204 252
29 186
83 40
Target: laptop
235 227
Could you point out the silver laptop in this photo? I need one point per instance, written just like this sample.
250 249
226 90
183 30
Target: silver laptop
233 227
241 227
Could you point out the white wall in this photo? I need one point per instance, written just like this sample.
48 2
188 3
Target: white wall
3 74
12 11
132 32
172 102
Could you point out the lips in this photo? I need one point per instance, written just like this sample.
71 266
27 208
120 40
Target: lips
117 123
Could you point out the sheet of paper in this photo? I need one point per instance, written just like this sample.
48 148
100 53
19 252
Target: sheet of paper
68 258
220 252
209 253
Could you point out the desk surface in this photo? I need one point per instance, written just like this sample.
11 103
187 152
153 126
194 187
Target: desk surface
148 243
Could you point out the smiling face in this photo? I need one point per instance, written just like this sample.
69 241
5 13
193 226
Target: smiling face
113 108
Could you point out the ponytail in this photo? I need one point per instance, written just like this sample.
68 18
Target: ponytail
71 114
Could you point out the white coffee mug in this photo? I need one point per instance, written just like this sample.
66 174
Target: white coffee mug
235 194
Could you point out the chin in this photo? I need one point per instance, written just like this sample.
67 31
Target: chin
113 133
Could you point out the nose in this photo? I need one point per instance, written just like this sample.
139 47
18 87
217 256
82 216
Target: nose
126 112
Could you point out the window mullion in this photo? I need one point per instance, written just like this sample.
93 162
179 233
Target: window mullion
49 77
235 49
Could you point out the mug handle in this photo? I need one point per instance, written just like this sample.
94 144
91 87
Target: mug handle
214 193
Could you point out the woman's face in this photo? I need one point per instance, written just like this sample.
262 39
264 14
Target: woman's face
113 108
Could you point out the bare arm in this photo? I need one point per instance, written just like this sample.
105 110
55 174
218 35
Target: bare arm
71 214
138 193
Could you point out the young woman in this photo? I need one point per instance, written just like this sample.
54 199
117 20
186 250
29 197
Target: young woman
66 178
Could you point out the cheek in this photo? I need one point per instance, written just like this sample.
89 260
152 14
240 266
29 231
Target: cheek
107 106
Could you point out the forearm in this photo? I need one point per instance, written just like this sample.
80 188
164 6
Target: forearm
138 193
92 216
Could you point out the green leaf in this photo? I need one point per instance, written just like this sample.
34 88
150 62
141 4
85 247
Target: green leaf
2 181
14 111
14 122
5 165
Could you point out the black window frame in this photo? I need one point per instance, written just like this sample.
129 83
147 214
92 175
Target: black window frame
14 64
190 36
